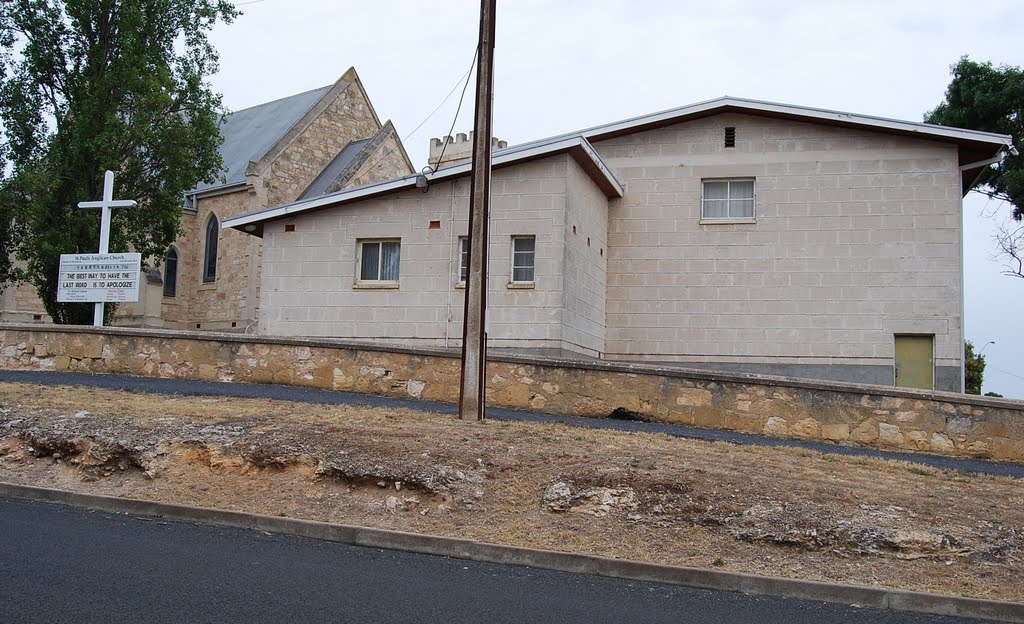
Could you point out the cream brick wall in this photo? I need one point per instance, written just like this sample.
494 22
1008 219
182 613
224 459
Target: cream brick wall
308 280
857 238
586 231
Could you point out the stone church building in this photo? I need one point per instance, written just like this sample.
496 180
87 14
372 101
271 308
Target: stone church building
291 149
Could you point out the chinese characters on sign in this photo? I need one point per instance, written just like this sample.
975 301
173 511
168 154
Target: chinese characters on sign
105 278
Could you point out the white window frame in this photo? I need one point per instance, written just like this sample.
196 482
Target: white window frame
462 253
376 283
512 260
704 217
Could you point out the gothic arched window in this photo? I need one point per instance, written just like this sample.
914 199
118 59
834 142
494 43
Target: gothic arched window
171 273
210 256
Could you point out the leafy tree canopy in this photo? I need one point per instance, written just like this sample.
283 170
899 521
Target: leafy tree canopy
974 369
984 97
91 85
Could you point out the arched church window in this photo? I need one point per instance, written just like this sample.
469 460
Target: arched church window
171 273
210 256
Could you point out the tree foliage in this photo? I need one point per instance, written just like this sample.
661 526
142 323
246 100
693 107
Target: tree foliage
984 97
91 85
974 369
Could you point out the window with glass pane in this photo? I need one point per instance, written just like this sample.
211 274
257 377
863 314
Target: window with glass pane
463 258
523 255
210 256
379 261
171 273
728 199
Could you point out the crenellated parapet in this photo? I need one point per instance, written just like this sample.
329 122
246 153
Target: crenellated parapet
456 150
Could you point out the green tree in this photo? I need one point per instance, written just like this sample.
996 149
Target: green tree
91 85
974 369
984 97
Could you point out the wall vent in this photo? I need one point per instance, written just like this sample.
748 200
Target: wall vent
730 136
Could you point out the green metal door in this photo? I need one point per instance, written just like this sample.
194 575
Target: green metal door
914 362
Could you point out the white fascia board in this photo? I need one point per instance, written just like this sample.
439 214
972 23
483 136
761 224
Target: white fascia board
601 166
326 200
756 106
803 111
503 157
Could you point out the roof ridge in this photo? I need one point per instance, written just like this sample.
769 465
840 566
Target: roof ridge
636 123
280 99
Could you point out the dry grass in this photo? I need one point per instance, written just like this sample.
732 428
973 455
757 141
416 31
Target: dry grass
773 511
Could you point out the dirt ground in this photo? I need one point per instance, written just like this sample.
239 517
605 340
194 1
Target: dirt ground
649 497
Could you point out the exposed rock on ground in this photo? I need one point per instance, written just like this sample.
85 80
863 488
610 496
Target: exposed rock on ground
780 512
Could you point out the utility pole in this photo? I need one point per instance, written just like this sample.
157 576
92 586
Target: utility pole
473 382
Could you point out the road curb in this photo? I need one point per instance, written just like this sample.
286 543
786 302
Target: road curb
893 599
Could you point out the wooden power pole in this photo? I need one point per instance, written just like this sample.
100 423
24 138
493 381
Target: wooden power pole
473 383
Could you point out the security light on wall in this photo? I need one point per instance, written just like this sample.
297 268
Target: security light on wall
421 180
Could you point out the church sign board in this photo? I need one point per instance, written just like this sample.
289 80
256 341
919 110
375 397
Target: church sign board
99 278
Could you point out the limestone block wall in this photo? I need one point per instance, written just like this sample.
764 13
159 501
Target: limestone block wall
226 303
855 238
349 117
21 303
889 418
387 163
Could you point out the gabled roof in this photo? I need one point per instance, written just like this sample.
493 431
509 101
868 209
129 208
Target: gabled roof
977 149
330 173
576 146
250 132
799 113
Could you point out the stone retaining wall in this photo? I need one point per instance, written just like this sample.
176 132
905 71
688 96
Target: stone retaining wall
891 418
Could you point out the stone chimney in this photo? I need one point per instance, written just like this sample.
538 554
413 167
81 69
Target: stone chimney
457 150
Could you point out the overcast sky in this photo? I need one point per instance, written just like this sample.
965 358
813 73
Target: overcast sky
566 65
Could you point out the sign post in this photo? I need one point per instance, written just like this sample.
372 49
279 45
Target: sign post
105 205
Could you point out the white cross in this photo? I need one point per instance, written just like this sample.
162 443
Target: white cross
105 206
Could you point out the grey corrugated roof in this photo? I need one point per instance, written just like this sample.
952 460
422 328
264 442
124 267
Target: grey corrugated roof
333 170
250 132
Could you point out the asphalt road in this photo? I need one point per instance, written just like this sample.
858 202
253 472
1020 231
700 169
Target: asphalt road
186 387
62 564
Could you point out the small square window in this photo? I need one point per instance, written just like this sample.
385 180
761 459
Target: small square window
523 259
379 261
727 199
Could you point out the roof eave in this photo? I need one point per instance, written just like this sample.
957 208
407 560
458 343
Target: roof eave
218 190
726 104
578 147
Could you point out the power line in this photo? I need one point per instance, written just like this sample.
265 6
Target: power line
457 110
465 77
1006 372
